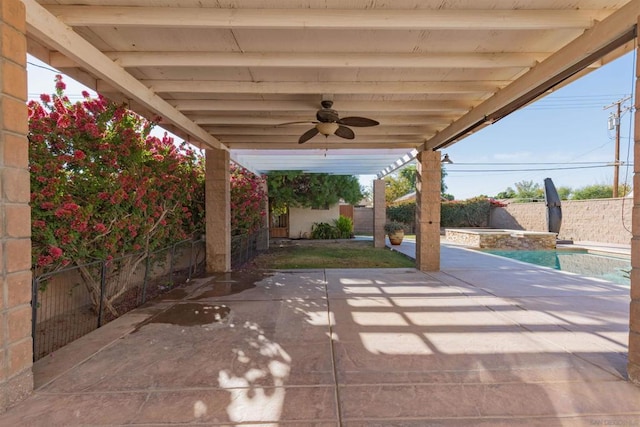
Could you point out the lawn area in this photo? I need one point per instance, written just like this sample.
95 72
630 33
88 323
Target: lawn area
330 254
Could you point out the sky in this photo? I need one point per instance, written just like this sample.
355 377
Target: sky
566 129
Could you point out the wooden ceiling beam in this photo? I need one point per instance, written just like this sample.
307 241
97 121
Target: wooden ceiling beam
316 60
229 139
247 87
304 18
223 131
49 31
322 143
196 105
272 121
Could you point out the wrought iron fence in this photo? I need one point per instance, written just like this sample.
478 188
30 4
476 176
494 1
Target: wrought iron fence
246 246
70 303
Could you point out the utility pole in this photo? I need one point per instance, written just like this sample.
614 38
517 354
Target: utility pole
614 121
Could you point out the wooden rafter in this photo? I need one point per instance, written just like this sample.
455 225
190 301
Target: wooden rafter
46 29
387 19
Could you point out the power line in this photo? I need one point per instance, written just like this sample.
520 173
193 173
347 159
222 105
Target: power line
43 67
529 170
529 163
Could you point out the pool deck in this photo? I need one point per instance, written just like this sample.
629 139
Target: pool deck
484 341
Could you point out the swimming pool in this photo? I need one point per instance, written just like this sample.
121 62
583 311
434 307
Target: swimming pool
612 268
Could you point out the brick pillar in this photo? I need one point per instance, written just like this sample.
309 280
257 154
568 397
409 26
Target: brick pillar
428 211
379 213
633 367
16 353
218 211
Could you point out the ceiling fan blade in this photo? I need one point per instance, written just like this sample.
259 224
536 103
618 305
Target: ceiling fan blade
295 123
308 135
358 122
345 132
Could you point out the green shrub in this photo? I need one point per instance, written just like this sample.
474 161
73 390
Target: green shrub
394 226
468 213
344 227
322 230
404 213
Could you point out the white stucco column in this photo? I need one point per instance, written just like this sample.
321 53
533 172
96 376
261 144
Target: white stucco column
428 211
218 211
379 213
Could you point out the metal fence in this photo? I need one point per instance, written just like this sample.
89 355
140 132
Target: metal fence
246 246
70 303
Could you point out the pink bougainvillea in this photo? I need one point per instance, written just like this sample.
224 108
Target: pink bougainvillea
102 186
248 201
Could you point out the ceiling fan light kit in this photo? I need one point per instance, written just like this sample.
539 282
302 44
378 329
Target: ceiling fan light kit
330 123
327 128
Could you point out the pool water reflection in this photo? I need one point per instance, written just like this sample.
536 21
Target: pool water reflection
612 268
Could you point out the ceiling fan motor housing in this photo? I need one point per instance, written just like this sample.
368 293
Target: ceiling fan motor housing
327 115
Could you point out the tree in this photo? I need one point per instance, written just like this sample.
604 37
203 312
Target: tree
564 192
404 182
248 201
103 187
297 189
524 190
408 174
509 193
529 190
443 186
599 191
400 183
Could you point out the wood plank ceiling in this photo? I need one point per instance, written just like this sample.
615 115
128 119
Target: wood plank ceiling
224 73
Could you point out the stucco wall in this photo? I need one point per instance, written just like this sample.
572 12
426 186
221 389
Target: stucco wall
301 220
597 220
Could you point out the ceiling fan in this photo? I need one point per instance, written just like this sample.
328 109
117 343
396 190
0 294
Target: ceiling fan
329 123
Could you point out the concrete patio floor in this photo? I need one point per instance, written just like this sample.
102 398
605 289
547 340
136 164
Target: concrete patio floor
486 341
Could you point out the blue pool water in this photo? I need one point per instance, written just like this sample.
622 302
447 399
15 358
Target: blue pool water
614 269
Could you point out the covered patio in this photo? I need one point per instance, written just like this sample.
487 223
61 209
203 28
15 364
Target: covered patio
485 341
226 75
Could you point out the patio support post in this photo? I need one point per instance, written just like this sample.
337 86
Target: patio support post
16 351
379 213
263 238
218 211
428 211
633 367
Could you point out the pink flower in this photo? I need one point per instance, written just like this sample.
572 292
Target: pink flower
79 226
79 155
100 227
63 122
39 223
60 212
45 98
71 206
55 252
59 83
44 260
